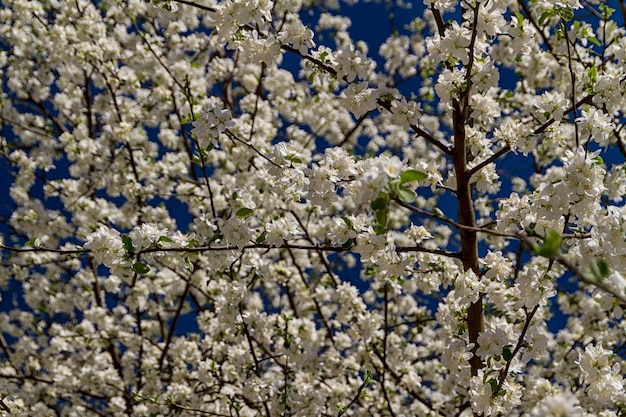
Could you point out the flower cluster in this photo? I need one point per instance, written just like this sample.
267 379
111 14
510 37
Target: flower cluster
245 207
211 124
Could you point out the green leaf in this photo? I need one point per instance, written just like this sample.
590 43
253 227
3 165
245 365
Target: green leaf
164 239
507 354
462 328
600 269
368 377
551 245
394 187
261 237
380 229
128 244
593 40
494 385
244 213
566 13
406 195
348 243
520 19
606 11
348 222
381 208
382 216
189 265
381 203
140 268
546 15
592 73
412 175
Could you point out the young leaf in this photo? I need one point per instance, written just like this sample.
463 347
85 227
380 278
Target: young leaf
520 19
494 385
606 11
382 216
593 40
506 353
348 222
244 213
566 13
551 245
600 269
412 175
380 225
189 265
381 203
261 237
592 73
546 15
406 195
140 268
348 243
128 245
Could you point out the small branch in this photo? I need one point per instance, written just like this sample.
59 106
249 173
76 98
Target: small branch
44 250
357 396
532 20
622 8
178 407
234 138
171 332
598 284
489 160
385 337
410 389
257 362
520 342
573 81
441 27
350 132
318 307
574 270
543 127
426 250
451 222
540 129
429 138
196 5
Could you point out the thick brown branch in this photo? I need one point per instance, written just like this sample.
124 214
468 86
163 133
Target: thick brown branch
466 214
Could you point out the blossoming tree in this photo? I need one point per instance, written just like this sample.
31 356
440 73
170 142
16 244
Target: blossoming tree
234 208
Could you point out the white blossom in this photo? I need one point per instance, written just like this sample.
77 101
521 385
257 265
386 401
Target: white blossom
256 207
